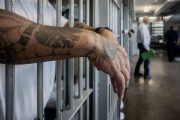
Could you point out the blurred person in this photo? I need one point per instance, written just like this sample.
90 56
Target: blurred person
143 40
171 38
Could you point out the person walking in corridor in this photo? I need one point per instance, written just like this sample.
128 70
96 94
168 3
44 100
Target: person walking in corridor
171 38
143 40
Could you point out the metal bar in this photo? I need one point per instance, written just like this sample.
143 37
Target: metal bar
65 83
80 60
10 91
40 110
118 109
81 113
87 11
8 5
87 109
59 91
58 66
95 72
71 61
10 79
86 60
122 21
70 79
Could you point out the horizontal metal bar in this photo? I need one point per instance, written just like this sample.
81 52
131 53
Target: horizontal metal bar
69 114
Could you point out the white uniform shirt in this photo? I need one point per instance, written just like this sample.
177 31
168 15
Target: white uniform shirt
143 35
26 75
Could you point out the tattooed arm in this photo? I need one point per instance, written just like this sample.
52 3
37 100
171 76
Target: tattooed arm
22 41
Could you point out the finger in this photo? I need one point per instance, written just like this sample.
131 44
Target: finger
124 67
120 81
127 65
126 75
114 85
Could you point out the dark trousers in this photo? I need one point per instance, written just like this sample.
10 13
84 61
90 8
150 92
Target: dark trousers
140 61
171 51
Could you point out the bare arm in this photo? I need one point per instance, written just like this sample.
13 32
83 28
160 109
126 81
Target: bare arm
22 41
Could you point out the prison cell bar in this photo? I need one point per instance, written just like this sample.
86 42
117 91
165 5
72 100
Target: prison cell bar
87 63
80 60
40 110
58 66
70 74
86 60
80 64
10 79
95 72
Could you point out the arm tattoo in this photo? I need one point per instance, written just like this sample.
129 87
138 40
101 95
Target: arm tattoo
109 50
57 37
8 49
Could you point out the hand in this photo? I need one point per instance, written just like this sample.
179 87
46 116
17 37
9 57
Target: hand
110 57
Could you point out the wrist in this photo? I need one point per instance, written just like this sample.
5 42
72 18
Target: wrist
85 45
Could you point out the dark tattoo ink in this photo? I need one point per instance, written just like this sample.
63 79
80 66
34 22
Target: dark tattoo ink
27 34
57 37
8 50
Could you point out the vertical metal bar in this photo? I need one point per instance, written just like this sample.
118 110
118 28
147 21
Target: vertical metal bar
95 72
87 62
10 79
118 109
80 63
40 91
80 60
40 110
87 12
65 103
122 21
8 5
10 91
113 15
81 113
71 61
58 66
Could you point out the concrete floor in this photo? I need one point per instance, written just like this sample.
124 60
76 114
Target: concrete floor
158 98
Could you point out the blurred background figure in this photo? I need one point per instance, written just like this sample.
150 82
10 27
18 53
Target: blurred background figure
171 38
143 40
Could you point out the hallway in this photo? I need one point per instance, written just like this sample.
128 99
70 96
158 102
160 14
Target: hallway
158 98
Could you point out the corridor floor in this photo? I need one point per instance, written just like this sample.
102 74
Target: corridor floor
158 98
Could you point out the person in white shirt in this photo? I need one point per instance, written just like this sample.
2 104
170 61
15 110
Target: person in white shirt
143 40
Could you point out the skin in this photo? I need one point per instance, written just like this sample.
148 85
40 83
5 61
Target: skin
22 41
146 20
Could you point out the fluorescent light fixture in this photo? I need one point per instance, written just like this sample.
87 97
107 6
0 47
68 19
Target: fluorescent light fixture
147 8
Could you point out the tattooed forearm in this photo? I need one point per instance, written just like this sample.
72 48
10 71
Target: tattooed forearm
22 41
57 37
8 48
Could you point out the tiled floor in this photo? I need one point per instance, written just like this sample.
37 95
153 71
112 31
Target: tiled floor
158 98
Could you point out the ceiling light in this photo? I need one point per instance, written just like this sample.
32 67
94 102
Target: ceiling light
147 8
